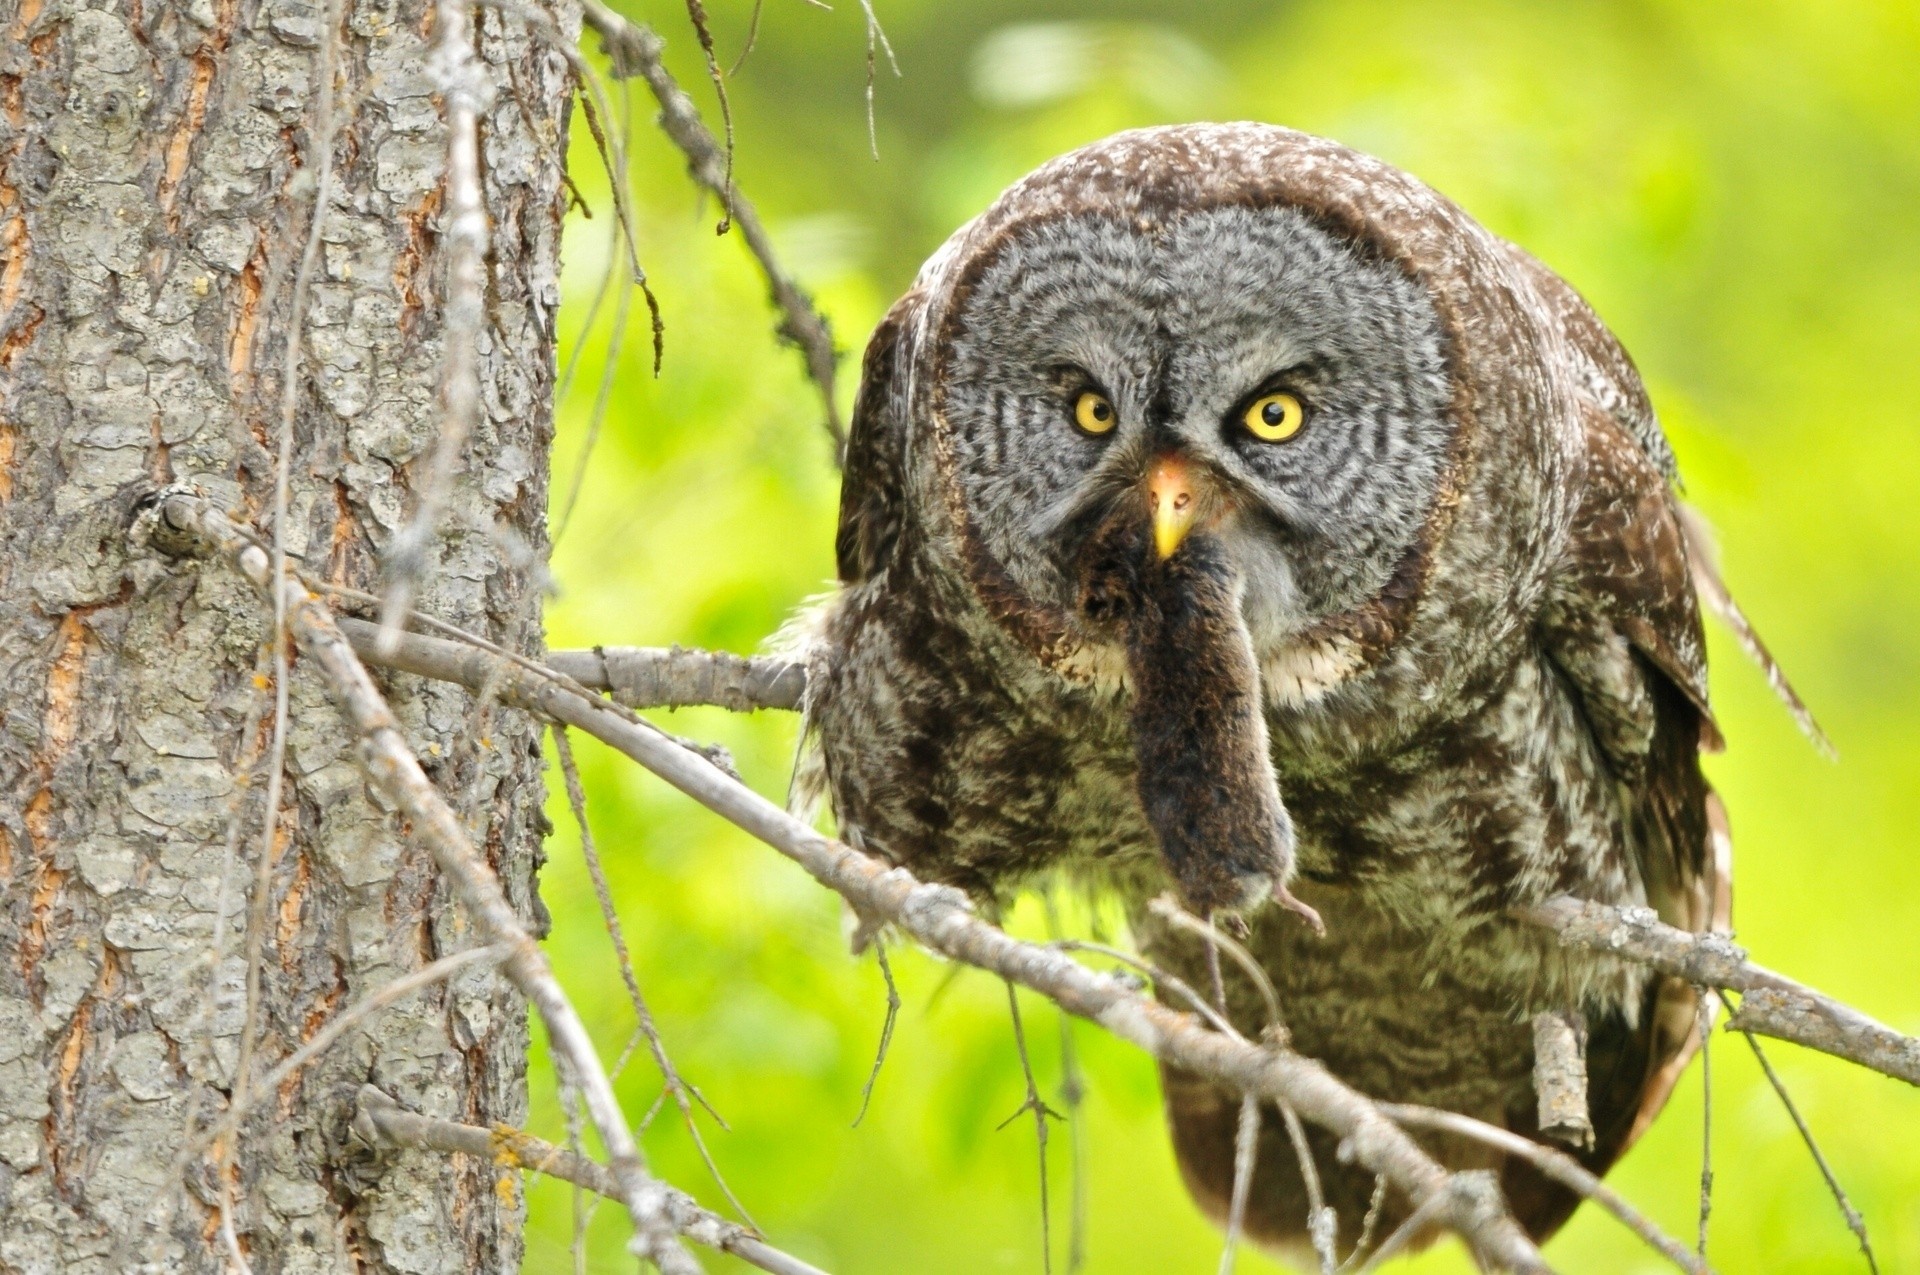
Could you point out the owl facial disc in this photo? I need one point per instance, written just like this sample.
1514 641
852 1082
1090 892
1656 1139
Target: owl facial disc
1288 383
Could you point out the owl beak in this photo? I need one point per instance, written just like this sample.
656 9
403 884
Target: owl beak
1170 496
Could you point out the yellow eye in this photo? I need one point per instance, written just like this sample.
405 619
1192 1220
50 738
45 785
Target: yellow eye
1093 414
1273 418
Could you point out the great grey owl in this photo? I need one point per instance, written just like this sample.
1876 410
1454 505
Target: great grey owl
1226 511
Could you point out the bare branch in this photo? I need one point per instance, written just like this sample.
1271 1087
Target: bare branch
1560 1076
1771 1004
1368 1225
942 919
683 1093
320 160
366 1007
1073 1092
1323 1224
1703 1026
380 1119
1246 1144
876 35
1855 1223
1041 1113
396 773
886 1031
676 677
635 50
697 15
1559 1166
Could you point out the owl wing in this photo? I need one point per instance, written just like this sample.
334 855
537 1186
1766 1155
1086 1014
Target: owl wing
1622 625
872 487
1610 384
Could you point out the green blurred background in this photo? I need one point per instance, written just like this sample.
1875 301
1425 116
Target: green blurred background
1737 189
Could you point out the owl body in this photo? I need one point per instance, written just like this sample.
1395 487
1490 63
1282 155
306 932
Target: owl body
1438 630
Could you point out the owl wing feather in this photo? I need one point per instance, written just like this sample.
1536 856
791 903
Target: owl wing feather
872 488
1611 384
1622 624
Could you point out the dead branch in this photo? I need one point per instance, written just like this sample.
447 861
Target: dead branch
1246 1144
677 677
1851 1215
1560 1077
684 1094
394 771
378 1118
886 1031
1041 1112
1770 1004
1559 1166
942 919
635 50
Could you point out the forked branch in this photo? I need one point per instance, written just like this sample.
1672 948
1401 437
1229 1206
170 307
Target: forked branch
379 1118
635 51
1770 1004
185 519
942 919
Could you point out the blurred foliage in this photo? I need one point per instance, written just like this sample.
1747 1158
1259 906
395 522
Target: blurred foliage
1734 185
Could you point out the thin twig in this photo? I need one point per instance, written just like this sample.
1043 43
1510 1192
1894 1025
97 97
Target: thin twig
682 1092
379 1119
386 994
941 918
1559 1166
875 34
613 151
1323 1223
886 1031
465 91
1170 911
1770 1004
320 161
1073 1090
1703 1023
697 15
1417 1221
227 1127
1185 991
673 677
1376 1206
753 34
616 342
565 385
1041 1113
635 50
1246 1146
395 772
1855 1223
609 371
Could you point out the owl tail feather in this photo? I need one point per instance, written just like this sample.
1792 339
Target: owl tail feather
1702 560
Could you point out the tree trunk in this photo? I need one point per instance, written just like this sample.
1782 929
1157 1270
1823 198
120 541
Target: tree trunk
156 182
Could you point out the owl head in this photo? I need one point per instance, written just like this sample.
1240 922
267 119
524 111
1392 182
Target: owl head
1243 335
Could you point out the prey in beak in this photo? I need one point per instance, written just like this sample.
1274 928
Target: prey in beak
1196 712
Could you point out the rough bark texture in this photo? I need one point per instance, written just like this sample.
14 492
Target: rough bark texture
154 200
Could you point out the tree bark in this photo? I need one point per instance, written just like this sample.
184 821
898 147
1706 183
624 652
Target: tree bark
156 184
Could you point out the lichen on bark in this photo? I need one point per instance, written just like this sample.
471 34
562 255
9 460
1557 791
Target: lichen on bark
155 189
